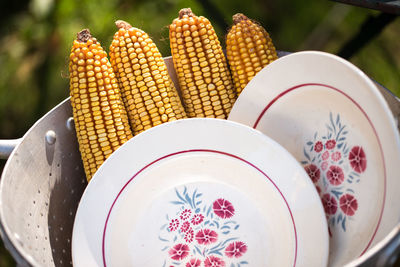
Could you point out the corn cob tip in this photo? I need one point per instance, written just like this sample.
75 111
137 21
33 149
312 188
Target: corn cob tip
238 18
123 25
185 11
84 35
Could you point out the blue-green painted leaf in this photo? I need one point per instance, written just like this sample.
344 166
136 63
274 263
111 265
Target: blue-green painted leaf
176 263
350 181
208 211
345 132
225 227
179 196
304 162
232 265
177 202
337 118
342 138
197 249
194 198
206 222
236 227
164 248
244 262
199 194
197 210
226 232
163 226
164 263
216 223
339 218
175 238
344 224
163 239
306 154
189 200
309 143
311 148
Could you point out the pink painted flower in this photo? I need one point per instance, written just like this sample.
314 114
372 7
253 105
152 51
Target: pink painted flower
197 219
179 252
335 175
325 155
185 214
189 235
358 160
324 165
185 226
313 171
318 146
330 204
212 261
336 156
330 144
173 225
235 249
193 263
206 236
223 208
348 204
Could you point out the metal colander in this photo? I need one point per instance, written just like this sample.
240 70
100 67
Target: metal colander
41 186
43 181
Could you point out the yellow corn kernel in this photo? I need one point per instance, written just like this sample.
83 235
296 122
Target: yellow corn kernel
148 92
200 65
93 124
249 49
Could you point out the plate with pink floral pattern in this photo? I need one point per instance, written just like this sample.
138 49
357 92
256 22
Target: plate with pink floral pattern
200 192
331 117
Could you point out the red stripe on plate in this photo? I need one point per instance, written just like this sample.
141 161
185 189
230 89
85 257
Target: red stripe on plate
279 96
191 151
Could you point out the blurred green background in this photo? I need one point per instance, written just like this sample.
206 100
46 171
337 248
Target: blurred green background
36 35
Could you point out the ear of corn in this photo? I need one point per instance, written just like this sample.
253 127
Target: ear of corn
205 82
148 92
101 121
249 49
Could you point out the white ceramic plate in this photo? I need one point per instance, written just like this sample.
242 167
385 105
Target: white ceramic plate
200 190
333 119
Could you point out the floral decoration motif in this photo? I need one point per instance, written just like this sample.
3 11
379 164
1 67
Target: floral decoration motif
335 166
223 208
236 249
212 261
194 263
201 234
179 251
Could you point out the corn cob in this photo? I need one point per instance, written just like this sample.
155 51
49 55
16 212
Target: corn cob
249 49
203 74
100 118
147 90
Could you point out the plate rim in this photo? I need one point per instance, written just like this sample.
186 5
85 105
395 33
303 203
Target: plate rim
378 100
225 123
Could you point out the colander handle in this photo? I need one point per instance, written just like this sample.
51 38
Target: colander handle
7 146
